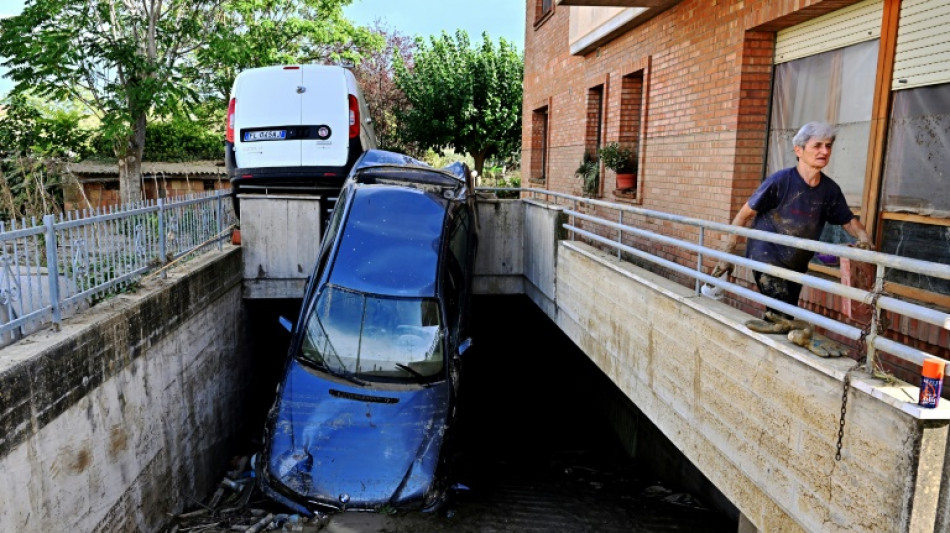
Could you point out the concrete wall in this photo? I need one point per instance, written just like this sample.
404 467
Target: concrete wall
756 414
499 263
124 414
281 236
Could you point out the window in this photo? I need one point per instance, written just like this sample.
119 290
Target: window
542 9
631 116
593 132
595 119
916 195
835 87
539 144
374 336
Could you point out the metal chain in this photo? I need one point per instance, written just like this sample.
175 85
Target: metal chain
863 355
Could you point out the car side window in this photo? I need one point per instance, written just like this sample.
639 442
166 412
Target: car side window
333 227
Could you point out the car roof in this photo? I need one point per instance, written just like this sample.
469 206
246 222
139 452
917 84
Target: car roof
377 164
390 242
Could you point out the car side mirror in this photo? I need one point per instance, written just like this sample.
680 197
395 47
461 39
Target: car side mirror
465 345
288 325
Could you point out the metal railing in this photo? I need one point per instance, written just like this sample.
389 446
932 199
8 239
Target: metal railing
62 263
875 297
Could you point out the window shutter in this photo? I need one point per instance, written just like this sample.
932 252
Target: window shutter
851 25
923 44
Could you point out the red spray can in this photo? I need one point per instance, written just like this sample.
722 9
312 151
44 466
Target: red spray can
931 382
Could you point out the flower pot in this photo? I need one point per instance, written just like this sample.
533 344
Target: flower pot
626 181
236 236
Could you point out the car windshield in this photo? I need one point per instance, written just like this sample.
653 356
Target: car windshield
371 336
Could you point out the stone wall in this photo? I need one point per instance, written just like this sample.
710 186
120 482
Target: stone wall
127 412
757 415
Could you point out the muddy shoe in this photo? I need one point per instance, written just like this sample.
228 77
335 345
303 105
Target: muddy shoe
817 344
763 326
792 323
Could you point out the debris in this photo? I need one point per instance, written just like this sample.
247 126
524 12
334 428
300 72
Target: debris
817 344
260 525
655 491
193 514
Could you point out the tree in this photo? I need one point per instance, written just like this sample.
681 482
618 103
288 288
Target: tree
463 97
377 77
128 61
256 33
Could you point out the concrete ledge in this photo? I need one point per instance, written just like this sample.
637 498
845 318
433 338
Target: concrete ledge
108 424
274 288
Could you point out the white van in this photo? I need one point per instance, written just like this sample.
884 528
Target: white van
295 127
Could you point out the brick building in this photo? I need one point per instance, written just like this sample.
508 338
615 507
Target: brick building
708 93
97 184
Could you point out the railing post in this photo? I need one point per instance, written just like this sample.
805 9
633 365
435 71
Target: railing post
220 216
573 220
162 251
620 236
52 269
699 259
870 350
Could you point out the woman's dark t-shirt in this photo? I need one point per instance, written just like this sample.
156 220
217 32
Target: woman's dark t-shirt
785 204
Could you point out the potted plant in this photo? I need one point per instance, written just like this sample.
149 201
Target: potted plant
621 161
589 173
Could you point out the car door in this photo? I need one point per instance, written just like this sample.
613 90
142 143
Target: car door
325 112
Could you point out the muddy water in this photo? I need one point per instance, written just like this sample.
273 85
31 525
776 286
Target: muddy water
535 452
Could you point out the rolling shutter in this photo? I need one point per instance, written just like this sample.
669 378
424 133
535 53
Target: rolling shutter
851 25
923 44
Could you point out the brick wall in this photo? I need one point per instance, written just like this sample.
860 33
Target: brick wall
99 194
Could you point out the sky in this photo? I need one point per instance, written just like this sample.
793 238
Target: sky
500 18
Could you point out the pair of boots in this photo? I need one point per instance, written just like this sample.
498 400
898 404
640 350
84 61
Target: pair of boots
799 332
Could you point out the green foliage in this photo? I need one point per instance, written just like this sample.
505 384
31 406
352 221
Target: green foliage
618 158
256 33
130 61
589 173
176 139
36 140
464 97
445 157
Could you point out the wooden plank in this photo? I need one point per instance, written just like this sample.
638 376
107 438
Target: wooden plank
880 119
919 219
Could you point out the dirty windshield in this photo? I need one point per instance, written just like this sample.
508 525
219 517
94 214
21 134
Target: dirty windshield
372 336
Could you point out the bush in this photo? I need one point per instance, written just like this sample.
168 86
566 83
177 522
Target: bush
589 173
170 141
618 158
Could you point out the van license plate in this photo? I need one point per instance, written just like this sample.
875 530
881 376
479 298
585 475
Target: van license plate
266 135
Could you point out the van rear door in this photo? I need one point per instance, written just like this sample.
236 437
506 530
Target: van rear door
267 116
325 110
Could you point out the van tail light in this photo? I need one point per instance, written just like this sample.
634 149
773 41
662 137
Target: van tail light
230 122
354 117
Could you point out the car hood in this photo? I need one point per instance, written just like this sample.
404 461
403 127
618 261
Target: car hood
351 446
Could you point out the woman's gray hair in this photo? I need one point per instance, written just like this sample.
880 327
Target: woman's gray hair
813 130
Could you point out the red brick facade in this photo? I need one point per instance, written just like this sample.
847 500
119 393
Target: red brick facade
689 91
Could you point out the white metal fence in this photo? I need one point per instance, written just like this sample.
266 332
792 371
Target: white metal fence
610 233
62 263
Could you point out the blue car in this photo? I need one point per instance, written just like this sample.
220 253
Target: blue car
366 405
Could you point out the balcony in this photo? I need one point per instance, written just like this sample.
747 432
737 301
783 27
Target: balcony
594 23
